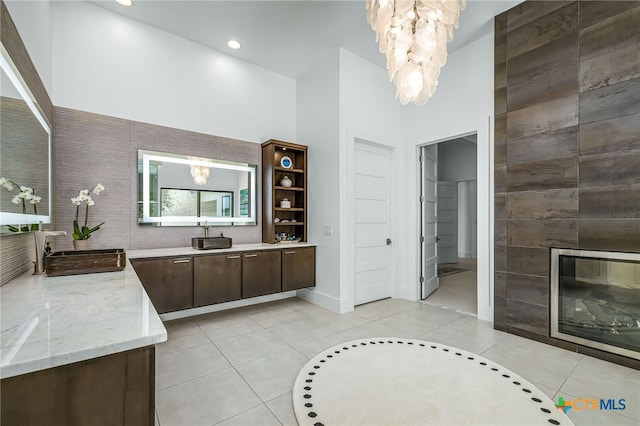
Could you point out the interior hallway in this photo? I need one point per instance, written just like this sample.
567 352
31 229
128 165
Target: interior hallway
458 291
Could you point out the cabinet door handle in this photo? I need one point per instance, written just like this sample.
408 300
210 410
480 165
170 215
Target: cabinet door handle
233 257
290 252
182 261
250 255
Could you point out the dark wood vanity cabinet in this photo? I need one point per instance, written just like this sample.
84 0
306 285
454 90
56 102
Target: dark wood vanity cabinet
298 268
261 273
167 281
217 278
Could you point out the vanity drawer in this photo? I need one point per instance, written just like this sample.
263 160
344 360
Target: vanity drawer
167 281
261 273
217 278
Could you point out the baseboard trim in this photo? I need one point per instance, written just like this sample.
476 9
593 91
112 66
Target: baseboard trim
321 299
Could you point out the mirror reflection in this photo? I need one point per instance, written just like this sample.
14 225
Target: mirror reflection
181 190
25 160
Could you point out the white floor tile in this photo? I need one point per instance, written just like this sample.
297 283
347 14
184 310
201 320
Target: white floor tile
249 346
206 400
273 375
258 416
188 364
282 407
296 333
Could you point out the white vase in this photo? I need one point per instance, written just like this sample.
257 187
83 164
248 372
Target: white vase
81 245
286 182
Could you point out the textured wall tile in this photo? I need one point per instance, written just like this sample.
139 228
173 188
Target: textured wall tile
528 288
610 202
528 317
528 260
610 101
500 75
615 134
544 117
613 168
595 12
611 34
549 174
500 103
500 178
543 74
500 131
610 68
500 245
548 204
543 146
500 203
500 38
17 254
538 32
542 233
525 13
615 235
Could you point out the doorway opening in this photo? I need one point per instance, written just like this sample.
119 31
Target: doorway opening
448 194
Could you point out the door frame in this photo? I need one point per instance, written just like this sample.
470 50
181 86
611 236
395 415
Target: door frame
348 235
419 225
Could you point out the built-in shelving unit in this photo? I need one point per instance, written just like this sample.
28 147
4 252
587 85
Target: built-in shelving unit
276 219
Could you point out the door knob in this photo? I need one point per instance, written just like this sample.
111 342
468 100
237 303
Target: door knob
388 241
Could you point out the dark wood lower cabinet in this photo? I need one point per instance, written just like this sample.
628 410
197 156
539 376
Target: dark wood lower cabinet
261 273
168 282
298 268
116 389
217 278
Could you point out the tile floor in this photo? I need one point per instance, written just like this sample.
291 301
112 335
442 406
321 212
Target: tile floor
237 367
458 291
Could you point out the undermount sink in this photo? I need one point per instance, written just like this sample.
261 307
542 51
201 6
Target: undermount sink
207 243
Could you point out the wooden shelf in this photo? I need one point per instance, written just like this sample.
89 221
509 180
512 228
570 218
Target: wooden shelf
282 169
273 193
289 188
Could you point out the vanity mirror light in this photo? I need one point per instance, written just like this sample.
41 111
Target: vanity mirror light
183 190
25 143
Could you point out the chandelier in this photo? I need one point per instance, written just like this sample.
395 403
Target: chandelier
413 35
199 173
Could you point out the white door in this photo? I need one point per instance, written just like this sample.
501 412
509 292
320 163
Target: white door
429 203
447 222
372 223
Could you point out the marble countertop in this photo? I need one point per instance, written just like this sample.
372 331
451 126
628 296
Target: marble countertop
189 251
51 321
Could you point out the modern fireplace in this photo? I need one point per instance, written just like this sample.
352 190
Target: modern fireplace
595 299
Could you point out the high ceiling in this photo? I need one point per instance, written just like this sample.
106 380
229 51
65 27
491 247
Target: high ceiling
288 37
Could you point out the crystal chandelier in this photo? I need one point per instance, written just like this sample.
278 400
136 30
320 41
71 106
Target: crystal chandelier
199 173
413 35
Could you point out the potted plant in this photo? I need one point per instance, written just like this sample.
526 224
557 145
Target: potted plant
25 194
81 234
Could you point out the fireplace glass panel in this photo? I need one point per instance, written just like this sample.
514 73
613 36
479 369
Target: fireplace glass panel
597 299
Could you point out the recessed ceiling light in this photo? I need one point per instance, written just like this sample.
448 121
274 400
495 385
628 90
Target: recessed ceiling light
234 44
125 2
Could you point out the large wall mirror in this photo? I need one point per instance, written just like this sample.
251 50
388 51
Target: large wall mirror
183 190
25 154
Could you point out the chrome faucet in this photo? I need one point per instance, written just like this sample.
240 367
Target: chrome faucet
41 240
206 230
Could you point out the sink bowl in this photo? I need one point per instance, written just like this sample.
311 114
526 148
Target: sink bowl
85 262
207 243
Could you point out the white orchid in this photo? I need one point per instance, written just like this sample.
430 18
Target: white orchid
84 232
26 193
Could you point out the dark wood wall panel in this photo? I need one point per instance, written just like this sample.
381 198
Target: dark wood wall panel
549 204
610 202
567 152
549 146
612 135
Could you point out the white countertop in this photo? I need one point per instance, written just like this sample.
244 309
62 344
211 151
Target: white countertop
51 321
190 251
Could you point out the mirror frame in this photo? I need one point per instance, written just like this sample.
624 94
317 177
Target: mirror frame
10 69
145 157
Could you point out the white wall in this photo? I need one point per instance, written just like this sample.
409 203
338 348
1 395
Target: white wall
457 160
462 105
33 20
317 124
108 64
370 112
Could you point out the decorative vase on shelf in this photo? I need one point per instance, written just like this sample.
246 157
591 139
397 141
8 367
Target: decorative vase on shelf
286 182
81 245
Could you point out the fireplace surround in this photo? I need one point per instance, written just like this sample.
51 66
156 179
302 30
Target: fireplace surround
595 299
